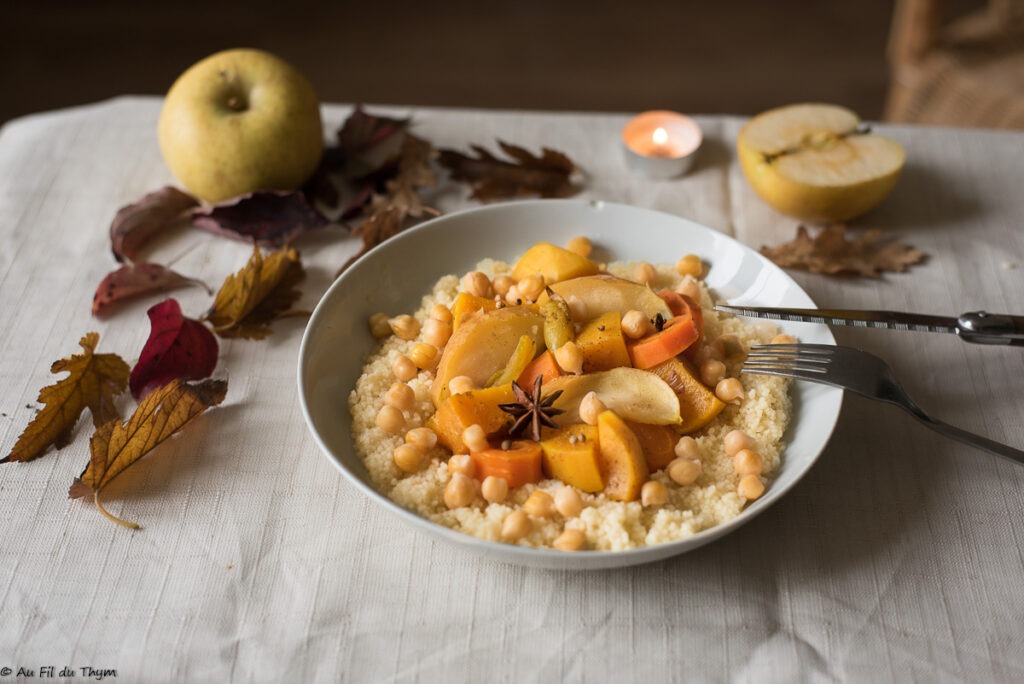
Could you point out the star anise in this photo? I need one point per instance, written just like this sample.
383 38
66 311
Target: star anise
531 409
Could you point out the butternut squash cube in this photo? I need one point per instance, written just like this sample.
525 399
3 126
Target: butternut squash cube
554 263
602 343
622 458
479 406
698 405
466 305
572 455
658 443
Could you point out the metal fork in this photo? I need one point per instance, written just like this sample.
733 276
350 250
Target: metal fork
861 372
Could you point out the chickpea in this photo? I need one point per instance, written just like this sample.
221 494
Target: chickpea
653 493
461 384
540 504
460 491
690 288
750 487
474 438
635 324
644 273
684 471
748 462
463 464
422 437
568 501
690 265
530 287
687 448
424 356
580 245
405 327
401 396
570 540
390 419
379 327
512 297
591 407
494 489
436 332
783 338
516 526
477 283
440 312
404 369
569 358
730 390
711 371
501 284
737 440
409 458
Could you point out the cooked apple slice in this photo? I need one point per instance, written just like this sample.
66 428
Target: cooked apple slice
815 162
483 344
622 458
603 293
633 394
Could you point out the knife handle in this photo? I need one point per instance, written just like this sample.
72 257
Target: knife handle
987 328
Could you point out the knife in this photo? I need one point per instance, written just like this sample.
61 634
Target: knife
979 327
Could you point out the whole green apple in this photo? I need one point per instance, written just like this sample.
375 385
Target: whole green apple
239 121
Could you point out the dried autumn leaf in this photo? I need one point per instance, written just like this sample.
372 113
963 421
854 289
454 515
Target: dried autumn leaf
260 293
492 178
266 218
115 446
135 280
401 199
177 348
93 381
138 223
830 252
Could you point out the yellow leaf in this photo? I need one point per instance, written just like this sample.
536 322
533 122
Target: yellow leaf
93 382
115 446
263 291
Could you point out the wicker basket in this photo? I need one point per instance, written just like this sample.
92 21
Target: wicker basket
969 72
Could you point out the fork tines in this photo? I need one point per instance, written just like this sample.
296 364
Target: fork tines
788 359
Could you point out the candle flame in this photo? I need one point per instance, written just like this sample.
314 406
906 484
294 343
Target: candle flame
660 136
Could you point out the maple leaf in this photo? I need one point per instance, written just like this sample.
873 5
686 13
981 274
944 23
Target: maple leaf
401 199
547 175
115 447
93 382
830 252
177 348
266 218
261 292
135 280
136 224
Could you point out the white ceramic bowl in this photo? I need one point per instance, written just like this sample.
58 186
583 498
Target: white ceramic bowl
394 277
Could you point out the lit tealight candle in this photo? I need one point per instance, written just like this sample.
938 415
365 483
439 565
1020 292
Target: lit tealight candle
661 144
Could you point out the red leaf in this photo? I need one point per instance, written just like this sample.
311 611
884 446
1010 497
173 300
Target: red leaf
135 280
136 224
177 347
266 218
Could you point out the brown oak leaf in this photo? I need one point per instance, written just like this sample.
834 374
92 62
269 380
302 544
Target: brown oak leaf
830 252
93 381
263 291
136 224
401 200
135 280
116 446
492 178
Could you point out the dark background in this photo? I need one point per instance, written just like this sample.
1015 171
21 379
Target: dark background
725 56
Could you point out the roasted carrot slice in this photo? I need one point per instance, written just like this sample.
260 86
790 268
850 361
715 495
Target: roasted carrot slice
676 335
518 465
542 365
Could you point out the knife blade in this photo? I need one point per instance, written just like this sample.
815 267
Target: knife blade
979 327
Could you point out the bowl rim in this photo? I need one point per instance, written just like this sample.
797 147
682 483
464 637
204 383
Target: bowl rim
525 555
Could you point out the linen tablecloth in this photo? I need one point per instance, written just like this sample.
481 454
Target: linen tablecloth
899 557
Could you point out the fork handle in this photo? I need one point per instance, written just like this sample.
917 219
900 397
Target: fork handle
971 439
